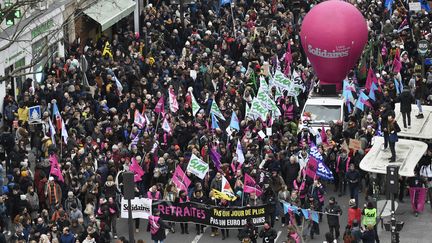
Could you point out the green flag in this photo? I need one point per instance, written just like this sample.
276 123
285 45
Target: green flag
195 106
215 110
380 62
362 69
264 85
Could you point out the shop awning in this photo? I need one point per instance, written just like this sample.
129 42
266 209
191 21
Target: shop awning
109 12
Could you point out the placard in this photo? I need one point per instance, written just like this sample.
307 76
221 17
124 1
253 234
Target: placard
141 208
35 114
197 167
354 144
416 7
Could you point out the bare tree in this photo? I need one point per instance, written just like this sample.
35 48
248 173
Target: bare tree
15 33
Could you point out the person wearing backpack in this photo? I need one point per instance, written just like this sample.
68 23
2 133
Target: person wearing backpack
157 227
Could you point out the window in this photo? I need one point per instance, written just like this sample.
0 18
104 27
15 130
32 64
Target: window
324 112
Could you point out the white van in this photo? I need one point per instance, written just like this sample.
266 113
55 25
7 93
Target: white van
320 110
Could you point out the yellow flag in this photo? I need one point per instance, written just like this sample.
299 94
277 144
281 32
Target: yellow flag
107 50
220 195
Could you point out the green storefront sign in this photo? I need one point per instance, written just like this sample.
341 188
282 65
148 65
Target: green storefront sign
42 28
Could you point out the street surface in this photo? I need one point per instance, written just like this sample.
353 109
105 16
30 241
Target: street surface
416 230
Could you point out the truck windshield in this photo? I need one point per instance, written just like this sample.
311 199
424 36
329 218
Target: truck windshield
323 112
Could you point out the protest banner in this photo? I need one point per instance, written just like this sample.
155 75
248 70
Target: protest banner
197 167
214 216
141 208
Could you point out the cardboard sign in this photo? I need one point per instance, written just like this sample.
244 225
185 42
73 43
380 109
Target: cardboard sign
354 144
416 7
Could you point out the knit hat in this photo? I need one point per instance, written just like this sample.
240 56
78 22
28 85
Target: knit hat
352 202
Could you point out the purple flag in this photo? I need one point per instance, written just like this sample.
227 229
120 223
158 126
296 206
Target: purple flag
215 157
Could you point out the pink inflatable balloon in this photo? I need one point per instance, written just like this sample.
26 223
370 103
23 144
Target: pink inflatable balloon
333 35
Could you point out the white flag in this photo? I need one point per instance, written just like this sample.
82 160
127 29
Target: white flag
239 152
174 106
166 126
52 131
226 187
64 132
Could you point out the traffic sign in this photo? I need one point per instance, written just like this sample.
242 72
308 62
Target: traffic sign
17 13
423 47
35 114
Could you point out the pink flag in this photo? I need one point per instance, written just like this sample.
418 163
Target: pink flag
397 65
139 120
371 78
136 169
180 179
323 135
174 106
160 106
311 167
250 185
55 168
418 197
288 59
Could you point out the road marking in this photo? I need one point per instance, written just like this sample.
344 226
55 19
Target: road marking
198 237
278 234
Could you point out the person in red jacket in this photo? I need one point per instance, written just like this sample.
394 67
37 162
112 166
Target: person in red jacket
353 212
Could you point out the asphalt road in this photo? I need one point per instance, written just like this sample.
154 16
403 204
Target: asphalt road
416 229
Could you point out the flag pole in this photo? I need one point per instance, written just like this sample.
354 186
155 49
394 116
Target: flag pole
242 195
157 123
61 147
232 15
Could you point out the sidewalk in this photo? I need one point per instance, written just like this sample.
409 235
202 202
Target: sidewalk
415 230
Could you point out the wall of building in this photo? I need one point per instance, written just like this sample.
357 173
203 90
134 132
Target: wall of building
38 31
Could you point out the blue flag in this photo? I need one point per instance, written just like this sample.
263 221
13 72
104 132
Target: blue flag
315 217
398 85
372 92
362 101
290 208
348 105
388 5
234 123
322 170
425 5
305 213
214 122
224 2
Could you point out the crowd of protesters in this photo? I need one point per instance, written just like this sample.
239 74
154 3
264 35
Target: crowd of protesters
217 57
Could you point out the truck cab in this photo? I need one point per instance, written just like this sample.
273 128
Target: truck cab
319 110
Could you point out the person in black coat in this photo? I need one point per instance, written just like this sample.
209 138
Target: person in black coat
368 235
406 99
333 211
290 172
385 112
418 95
393 128
250 231
268 233
198 197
